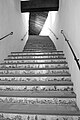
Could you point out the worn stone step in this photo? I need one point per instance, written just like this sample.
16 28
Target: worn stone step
35 75
17 78
32 66
49 70
51 61
38 100
38 50
39 46
40 94
35 72
39 109
63 58
35 56
37 63
36 83
46 116
36 53
36 88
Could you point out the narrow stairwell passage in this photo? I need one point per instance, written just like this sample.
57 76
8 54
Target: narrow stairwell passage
35 84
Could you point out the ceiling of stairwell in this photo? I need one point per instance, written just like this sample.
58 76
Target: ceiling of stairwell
39 5
38 13
36 22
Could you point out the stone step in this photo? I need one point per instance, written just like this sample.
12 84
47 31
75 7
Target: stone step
36 83
51 61
36 53
35 93
36 41
39 50
36 88
42 47
39 45
38 100
35 57
42 58
32 66
35 72
37 78
39 42
36 63
27 69
46 116
35 75
39 109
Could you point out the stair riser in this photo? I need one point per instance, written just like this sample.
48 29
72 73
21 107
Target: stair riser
36 88
56 58
39 43
35 66
26 57
32 72
4 116
35 61
36 53
31 100
39 48
35 78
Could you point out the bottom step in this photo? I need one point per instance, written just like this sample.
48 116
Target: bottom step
36 117
38 109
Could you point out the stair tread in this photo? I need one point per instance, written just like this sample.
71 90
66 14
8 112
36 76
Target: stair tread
39 50
36 52
57 62
44 94
37 55
35 75
33 58
39 109
44 83
48 68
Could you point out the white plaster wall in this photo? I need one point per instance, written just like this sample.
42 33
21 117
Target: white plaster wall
11 20
51 24
68 19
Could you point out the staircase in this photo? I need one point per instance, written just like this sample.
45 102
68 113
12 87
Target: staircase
35 84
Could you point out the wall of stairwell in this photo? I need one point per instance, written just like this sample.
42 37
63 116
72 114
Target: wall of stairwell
11 20
68 19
